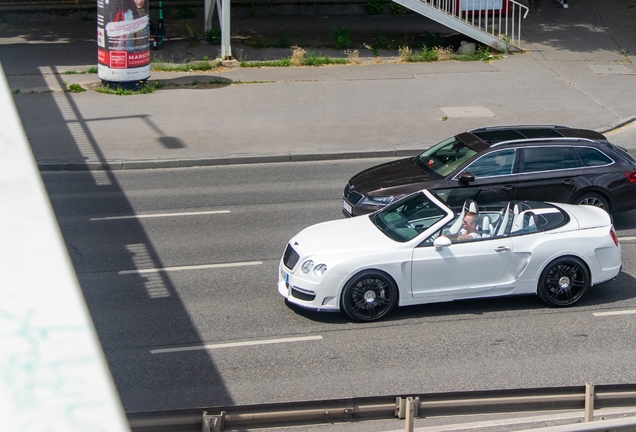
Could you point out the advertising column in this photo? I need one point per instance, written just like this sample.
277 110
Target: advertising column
123 48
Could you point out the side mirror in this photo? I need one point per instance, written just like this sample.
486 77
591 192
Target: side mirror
466 177
441 242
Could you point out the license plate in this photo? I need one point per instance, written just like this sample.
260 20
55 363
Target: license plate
286 277
346 206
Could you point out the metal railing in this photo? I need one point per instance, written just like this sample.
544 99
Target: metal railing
216 419
499 18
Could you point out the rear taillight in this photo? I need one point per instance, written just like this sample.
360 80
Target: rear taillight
631 176
613 236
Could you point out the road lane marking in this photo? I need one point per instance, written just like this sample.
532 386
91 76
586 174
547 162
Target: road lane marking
626 238
159 215
624 312
235 344
194 267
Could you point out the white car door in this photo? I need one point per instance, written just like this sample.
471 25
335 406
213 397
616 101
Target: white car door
461 268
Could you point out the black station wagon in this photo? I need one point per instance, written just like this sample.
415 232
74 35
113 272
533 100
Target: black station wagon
505 163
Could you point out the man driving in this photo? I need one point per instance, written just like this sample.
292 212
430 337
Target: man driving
469 227
468 230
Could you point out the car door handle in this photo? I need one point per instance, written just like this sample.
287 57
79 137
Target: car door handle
568 181
502 249
508 187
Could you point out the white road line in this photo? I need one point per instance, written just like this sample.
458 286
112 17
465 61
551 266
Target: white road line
626 238
235 344
624 312
159 215
194 267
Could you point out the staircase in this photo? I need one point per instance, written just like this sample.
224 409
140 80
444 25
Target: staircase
496 23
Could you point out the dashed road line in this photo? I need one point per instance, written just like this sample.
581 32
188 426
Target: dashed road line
156 215
234 344
193 267
627 238
623 312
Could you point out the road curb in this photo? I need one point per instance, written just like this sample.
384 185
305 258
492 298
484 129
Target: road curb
115 165
202 162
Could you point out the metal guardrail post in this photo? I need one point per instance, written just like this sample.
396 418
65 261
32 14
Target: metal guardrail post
589 402
411 412
212 423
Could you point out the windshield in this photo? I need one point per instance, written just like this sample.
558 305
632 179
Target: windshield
405 219
445 157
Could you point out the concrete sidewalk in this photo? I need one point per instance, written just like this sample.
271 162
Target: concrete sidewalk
578 70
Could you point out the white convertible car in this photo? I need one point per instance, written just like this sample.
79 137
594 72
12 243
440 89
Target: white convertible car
408 253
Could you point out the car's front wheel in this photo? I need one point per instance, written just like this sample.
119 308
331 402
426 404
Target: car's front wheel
369 296
563 282
593 198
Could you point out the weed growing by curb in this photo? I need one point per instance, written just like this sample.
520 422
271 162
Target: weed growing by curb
353 56
90 70
15 91
76 88
146 89
202 65
298 56
425 55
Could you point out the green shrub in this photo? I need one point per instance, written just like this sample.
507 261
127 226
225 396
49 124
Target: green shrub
374 7
213 36
342 37
186 12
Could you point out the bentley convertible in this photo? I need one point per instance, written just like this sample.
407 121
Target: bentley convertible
413 252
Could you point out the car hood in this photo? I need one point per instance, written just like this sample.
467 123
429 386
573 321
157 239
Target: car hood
397 177
342 235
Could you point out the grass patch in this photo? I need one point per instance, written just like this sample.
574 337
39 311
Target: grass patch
201 65
267 63
146 89
423 56
15 91
90 70
299 57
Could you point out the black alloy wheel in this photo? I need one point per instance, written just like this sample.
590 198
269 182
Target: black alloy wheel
594 199
369 296
563 282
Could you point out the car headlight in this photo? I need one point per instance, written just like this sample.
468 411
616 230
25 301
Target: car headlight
320 269
307 266
380 201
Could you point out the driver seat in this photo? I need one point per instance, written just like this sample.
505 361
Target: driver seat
469 206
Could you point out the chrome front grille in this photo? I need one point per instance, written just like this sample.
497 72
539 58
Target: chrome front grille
291 257
351 196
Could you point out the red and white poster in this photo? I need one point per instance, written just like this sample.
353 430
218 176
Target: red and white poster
123 44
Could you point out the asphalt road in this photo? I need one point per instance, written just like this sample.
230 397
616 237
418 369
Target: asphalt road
244 215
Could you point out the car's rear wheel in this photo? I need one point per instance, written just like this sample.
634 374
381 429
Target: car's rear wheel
563 282
369 296
593 198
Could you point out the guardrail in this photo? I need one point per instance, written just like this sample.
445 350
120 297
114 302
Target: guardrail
407 407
